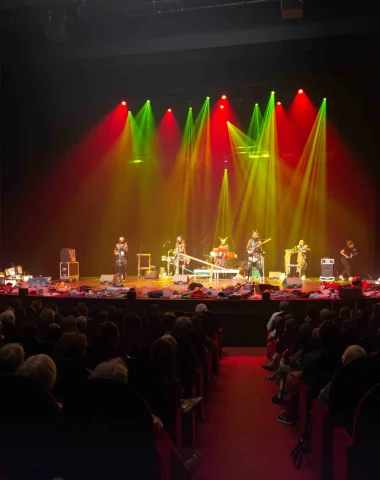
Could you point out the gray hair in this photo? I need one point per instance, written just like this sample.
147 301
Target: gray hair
183 324
8 316
114 369
40 368
200 308
353 352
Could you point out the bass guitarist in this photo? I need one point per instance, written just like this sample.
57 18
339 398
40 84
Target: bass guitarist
255 255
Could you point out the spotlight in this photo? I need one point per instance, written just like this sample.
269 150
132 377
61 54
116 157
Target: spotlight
148 101
224 97
256 104
300 90
169 109
221 107
124 102
324 99
208 98
278 103
272 93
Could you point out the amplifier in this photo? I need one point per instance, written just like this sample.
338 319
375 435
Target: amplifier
68 255
327 269
69 270
151 274
106 279
180 279
292 282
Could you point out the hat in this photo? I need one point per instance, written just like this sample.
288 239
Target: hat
255 234
200 308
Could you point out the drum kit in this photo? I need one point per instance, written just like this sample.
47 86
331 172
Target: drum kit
221 256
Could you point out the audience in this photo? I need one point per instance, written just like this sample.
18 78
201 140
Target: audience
11 357
40 368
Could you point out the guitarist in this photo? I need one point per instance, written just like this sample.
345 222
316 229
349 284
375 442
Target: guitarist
255 255
348 252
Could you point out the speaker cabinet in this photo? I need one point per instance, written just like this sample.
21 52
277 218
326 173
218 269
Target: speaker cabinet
180 279
68 255
69 270
292 282
105 279
151 274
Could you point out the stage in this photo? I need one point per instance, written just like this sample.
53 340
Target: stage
243 321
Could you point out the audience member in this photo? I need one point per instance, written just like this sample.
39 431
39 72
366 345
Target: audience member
40 368
11 357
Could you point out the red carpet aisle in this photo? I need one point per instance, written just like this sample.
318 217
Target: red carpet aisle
240 437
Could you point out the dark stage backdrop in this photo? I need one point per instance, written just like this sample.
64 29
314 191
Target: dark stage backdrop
56 194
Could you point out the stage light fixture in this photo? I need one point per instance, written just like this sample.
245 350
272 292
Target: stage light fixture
278 103
124 102
300 90
208 98
272 93
169 109
221 107
148 101
256 104
224 97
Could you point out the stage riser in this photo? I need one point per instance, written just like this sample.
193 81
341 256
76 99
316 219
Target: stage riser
243 322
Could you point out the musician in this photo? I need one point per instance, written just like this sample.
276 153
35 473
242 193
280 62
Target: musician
120 250
180 247
221 254
302 259
255 255
348 252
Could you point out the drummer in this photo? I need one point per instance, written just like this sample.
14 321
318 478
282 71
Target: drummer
220 253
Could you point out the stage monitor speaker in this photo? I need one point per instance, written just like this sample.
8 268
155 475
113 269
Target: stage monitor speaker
350 293
106 279
292 282
180 279
151 274
68 255
291 9
327 270
274 275
261 287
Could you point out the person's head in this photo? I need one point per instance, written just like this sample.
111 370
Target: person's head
290 322
11 357
101 317
53 306
201 308
36 305
356 314
349 324
170 339
327 335
121 239
353 352
8 316
350 244
182 326
132 322
74 312
255 234
82 309
68 323
47 316
301 243
114 369
109 334
223 240
40 368
162 357
344 313
284 306
306 328
179 238
81 323
375 320
71 345
327 315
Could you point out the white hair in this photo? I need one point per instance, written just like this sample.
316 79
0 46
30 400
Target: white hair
40 368
114 369
200 308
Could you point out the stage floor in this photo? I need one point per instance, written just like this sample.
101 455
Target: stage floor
309 285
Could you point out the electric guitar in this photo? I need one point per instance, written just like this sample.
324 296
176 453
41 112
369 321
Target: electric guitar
254 257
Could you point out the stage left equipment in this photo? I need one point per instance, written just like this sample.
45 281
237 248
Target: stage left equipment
180 279
106 279
14 270
140 257
68 255
327 269
69 271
